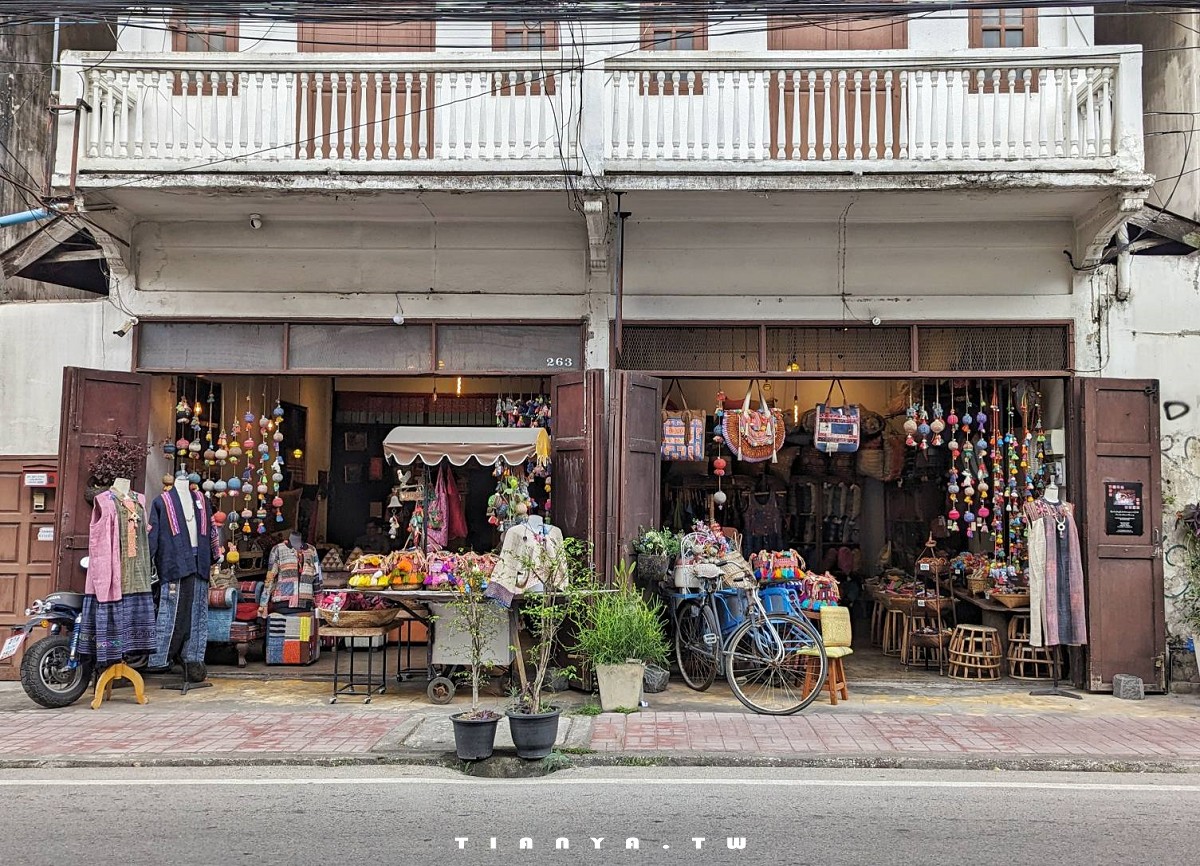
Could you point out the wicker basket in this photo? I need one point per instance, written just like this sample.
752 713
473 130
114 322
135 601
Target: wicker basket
932 605
358 618
1012 599
931 640
977 583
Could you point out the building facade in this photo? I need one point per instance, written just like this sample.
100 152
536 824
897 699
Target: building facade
591 209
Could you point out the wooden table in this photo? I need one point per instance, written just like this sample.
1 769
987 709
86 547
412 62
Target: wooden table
995 615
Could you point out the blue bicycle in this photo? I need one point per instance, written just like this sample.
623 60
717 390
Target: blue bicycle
774 660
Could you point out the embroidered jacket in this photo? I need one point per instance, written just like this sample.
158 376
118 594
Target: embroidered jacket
292 575
170 545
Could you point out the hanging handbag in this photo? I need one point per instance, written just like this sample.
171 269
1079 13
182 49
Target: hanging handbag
682 430
838 427
754 435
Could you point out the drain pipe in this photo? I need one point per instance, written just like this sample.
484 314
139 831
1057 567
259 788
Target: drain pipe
1124 265
15 219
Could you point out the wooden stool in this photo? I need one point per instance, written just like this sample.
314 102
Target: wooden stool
895 626
975 653
1027 662
115 672
878 612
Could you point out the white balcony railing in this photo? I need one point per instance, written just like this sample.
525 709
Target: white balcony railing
1021 109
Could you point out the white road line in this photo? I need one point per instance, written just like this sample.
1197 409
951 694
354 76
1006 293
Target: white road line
759 783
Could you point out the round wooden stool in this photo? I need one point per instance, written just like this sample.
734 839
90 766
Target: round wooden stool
895 625
878 612
975 653
1027 662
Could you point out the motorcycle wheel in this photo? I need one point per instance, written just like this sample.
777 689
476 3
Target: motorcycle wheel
45 675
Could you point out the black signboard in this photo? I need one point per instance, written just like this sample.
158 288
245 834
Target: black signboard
1123 507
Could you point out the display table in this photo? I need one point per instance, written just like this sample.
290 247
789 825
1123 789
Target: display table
352 684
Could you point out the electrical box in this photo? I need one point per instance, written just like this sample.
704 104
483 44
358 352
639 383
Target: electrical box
1056 442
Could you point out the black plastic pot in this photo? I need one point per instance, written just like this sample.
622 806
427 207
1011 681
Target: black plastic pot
474 738
534 734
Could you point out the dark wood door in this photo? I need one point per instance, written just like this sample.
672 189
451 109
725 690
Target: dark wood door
26 546
636 412
371 118
578 458
96 405
790 33
1124 570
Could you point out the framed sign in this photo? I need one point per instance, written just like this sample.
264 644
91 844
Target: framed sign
1123 511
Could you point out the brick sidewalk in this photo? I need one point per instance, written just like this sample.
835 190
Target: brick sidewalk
39 734
926 735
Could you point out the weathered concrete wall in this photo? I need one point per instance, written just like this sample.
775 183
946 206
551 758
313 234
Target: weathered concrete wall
1171 98
37 340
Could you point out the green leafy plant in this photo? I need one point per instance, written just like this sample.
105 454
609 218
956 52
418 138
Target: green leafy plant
475 616
567 575
622 626
656 542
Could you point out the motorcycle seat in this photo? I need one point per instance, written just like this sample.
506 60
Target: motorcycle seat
67 599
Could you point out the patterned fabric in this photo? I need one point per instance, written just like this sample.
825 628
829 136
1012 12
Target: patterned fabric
170 545
292 575
182 621
1061 573
292 639
123 622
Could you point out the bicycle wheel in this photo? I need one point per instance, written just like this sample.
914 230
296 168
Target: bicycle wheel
697 644
776 666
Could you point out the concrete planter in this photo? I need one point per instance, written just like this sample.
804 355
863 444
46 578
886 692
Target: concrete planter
620 685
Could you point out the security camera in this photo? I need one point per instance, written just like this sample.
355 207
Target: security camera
256 221
126 328
398 319
876 321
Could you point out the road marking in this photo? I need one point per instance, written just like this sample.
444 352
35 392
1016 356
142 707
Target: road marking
758 783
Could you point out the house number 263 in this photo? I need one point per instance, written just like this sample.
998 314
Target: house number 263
560 362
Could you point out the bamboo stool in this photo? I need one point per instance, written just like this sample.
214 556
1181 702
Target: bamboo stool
975 653
1027 662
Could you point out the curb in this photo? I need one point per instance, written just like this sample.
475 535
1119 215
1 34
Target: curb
504 765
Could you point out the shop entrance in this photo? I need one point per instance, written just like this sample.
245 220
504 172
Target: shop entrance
860 515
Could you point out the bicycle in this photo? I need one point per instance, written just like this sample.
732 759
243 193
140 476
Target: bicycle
774 661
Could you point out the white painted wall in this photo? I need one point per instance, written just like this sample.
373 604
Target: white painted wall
37 340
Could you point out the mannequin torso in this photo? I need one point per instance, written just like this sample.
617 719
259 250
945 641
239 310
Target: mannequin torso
184 491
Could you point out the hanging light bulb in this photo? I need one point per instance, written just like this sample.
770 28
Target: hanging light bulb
197 409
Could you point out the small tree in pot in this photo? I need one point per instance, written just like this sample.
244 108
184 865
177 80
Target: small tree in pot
620 632
566 574
476 617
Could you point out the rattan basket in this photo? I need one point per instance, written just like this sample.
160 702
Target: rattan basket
1011 599
358 618
977 582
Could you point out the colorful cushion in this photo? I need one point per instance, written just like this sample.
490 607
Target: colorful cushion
246 611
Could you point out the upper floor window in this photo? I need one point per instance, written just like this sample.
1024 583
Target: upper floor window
1003 28
199 32
670 35
524 35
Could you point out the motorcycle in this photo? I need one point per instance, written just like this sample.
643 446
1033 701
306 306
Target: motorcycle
53 674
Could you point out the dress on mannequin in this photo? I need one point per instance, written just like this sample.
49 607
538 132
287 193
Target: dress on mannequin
118 607
1055 575
183 550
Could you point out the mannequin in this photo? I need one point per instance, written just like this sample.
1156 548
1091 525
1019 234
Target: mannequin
184 543
529 561
118 608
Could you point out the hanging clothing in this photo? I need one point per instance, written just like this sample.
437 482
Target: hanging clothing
763 526
292 575
529 560
456 520
437 524
1059 573
171 547
118 606
182 622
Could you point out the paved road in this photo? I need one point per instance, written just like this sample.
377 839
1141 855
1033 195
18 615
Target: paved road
300 816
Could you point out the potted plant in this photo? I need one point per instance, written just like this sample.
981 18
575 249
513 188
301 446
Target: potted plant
620 632
565 574
123 457
475 617
655 550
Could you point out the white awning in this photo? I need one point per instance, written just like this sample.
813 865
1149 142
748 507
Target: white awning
431 445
